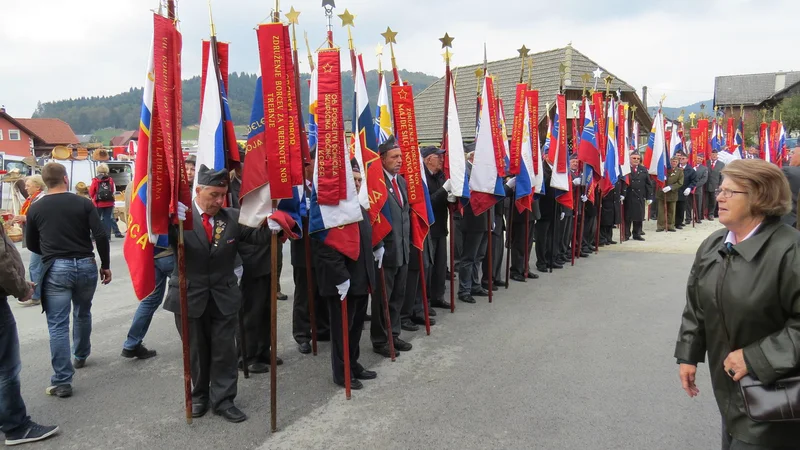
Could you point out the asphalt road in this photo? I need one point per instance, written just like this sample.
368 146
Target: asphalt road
579 359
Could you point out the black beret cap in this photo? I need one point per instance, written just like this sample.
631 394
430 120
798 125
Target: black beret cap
208 177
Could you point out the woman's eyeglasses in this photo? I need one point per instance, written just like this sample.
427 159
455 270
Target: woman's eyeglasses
727 193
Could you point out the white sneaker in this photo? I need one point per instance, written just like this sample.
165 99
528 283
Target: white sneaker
31 302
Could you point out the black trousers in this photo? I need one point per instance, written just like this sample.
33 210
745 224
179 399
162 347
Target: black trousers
301 321
680 212
637 229
356 312
589 232
606 234
565 243
438 275
497 259
520 248
544 242
395 279
473 252
711 203
458 236
212 352
257 323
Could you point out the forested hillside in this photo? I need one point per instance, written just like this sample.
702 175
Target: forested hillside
86 115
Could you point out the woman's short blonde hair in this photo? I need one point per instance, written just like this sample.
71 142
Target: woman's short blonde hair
768 189
37 181
102 168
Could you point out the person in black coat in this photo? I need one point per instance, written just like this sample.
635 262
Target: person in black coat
543 227
474 234
689 183
610 214
338 278
213 294
519 248
433 159
637 196
714 180
301 320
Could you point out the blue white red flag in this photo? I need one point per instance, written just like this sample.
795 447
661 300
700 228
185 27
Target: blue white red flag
523 190
780 147
383 116
485 184
587 150
655 157
561 178
456 162
612 155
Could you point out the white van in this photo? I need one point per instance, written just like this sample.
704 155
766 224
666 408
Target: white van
121 172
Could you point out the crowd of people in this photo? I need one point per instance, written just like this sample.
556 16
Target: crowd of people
229 272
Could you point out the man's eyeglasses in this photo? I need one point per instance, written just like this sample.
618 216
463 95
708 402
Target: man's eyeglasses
727 193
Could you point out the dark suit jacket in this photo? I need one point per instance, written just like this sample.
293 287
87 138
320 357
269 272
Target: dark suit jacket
209 266
689 181
333 268
638 191
438 203
793 175
397 242
714 176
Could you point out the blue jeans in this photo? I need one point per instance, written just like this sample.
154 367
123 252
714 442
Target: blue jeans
69 282
148 306
107 219
35 269
13 414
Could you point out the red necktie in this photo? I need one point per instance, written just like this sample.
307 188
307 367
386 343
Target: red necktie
712 164
207 226
397 192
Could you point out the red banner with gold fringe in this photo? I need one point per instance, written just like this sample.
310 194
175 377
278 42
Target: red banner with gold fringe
600 123
533 116
331 182
518 127
494 122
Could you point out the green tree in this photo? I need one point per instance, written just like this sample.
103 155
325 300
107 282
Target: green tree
790 111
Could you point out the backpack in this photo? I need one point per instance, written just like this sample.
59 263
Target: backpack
104 193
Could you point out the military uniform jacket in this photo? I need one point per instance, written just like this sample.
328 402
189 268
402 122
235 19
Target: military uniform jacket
209 265
638 191
333 268
675 181
689 181
397 242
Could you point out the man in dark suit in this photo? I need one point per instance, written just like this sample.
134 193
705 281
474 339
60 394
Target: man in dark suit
610 214
698 194
474 237
498 233
792 172
689 182
433 158
519 248
714 180
543 228
213 294
395 260
637 196
338 278
578 186
301 319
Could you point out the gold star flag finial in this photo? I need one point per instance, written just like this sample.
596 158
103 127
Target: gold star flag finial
608 79
390 36
478 73
702 106
293 16
379 50
347 18
692 116
447 55
447 41
680 119
586 78
523 52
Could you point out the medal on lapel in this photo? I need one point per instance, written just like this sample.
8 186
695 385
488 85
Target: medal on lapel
220 229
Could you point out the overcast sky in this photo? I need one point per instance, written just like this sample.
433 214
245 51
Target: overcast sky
58 49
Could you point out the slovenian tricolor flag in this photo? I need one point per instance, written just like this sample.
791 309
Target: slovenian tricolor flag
655 158
561 179
523 194
456 162
612 156
383 118
587 150
485 183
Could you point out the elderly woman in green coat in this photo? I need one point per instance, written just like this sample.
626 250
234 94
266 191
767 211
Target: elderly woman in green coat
743 303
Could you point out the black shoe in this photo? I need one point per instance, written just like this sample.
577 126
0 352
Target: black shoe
383 350
32 433
638 238
440 303
119 235
466 298
561 262
643 233
354 384
408 325
402 345
518 277
140 352
60 391
612 242
699 221
281 297
480 292
585 254
366 375
79 363
199 409
486 288
593 248
673 230
258 367
232 414
556 266
542 269
533 276
304 348
421 320
500 283
659 230
710 219
431 311
679 227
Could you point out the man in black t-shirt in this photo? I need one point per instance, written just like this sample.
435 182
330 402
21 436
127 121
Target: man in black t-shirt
60 228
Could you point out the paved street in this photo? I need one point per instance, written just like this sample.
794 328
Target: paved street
579 359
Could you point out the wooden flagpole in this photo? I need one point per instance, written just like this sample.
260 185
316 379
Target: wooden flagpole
184 305
273 354
447 44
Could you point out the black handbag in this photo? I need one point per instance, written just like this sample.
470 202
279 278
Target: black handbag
776 402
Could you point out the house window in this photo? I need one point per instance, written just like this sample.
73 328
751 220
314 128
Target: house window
13 135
